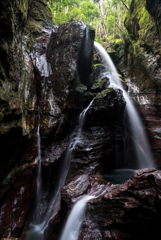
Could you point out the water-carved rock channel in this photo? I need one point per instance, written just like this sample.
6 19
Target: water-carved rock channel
82 132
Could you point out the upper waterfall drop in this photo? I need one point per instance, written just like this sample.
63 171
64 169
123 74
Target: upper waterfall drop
142 147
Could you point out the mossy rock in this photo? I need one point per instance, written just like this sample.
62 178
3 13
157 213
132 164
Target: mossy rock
141 25
96 70
104 93
100 84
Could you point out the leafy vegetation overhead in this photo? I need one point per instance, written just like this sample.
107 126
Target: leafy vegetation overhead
106 16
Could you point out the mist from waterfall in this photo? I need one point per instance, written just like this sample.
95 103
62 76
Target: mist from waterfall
142 147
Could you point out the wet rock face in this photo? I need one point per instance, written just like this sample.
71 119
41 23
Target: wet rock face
127 211
141 67
153 119
86 56
41 77
15 198
101 135
107 106
21 23
63 56
153 8
94 153
17 89
62 87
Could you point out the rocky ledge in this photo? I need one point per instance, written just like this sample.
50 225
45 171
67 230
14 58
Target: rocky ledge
118 211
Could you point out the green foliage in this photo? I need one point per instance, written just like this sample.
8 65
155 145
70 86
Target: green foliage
70 10
90 10
107 17
76 15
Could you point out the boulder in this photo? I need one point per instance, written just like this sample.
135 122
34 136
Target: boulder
128 211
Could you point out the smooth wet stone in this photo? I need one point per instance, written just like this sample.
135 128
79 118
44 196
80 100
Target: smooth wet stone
120 211
108 104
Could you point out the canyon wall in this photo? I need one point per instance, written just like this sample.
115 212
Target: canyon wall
139 62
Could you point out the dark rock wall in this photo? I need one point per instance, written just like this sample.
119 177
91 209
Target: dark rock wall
154 8
21 22
140 66
38 68
17 90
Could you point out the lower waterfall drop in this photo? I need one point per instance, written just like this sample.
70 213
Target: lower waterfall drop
74 221
37 229
142 148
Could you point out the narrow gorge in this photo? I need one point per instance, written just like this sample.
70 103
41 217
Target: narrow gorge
80 144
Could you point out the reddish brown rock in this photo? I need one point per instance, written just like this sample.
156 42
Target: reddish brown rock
128 211
16 193
152 114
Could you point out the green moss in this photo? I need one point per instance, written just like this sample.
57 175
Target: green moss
99 83
23 9
109 50
104 93
95 66
144 17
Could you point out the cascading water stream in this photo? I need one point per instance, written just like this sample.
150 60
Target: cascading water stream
37 230
74 221
39 154
76 140
39 176
142 148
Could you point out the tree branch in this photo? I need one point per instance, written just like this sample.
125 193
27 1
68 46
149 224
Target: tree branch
124 4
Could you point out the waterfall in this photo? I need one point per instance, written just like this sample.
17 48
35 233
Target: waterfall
77 139
74 221
37 229
39 154
142 147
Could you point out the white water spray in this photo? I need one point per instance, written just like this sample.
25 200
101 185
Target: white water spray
142 147
74 221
